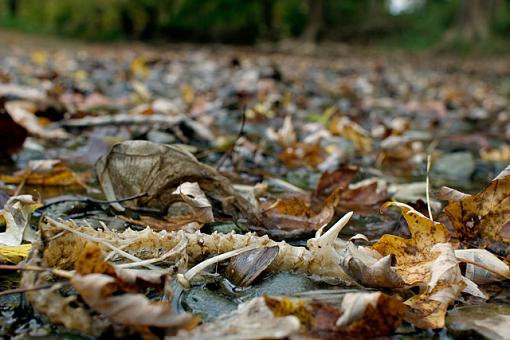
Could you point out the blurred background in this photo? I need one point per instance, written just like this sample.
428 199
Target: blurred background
403 24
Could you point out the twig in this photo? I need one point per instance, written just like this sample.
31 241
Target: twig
503 275
175 250
427 189
232 148
57 272
140 195
99 240
30 289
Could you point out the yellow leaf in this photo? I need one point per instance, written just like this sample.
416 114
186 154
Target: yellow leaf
353 132
14 254
49 172
424 235
484 216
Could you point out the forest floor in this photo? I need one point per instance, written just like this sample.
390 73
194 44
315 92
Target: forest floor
194 143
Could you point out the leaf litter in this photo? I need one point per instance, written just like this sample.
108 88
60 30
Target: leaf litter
213 179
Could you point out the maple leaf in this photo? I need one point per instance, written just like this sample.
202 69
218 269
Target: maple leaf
485 215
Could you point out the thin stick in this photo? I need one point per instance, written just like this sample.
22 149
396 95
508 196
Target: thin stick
506 276
232 148
175 250
29 289
427 189
57 272
101 241
140 195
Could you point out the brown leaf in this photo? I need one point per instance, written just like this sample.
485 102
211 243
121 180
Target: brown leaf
127 309
135 167
22 113
48 172
424 234
484 216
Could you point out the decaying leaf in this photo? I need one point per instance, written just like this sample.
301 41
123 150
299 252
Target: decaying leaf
295 217
424 234
252 320
321 258
480 275
22 113
192 216
14 254
48 172
303 154
128 309
361 315
370 270
484 216
445 283
135 167
15 216
352 131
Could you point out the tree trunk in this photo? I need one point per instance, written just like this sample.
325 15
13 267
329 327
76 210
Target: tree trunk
12 6
268 29
473 20
315 20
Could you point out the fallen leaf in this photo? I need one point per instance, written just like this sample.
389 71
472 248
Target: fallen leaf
480 275
16 217
127 309
484 216
443 287
252 320
294 217
22 113
309 155
14 254
135 167
352 131
424 235
48 172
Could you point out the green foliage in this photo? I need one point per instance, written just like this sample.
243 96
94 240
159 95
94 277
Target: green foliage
235 21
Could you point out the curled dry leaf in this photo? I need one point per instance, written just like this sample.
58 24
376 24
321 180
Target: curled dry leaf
15 216
480 275
291 217
48 172
245 268
286 136
135 167
22 113
371 271
485 215
196 213
127 309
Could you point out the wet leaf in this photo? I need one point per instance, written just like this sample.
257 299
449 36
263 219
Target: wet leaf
135 167
48 172
424 235
15 216
127 309
484 216
352 131
22 113
14 254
